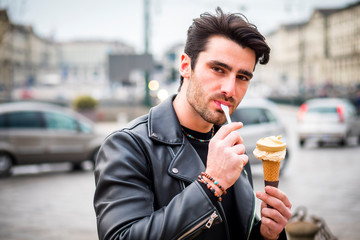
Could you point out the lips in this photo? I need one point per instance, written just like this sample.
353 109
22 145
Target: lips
219 102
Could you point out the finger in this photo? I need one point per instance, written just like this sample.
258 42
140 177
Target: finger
272 220
276 203
277 193
273 229
244 158
269 200
238 149
227 129
274 215
233 138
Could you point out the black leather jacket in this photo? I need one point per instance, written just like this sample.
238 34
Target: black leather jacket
147 188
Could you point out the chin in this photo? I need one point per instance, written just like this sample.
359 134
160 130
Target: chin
219 121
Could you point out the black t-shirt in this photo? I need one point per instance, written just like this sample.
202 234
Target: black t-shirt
217 231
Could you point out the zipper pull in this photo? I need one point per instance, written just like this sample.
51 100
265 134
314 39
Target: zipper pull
211 220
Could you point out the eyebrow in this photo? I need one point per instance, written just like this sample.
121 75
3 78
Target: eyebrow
227 67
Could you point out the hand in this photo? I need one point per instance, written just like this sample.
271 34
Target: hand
273 220
226 157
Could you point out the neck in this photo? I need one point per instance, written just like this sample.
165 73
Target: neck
187 115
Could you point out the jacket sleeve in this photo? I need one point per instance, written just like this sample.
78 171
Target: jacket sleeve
124 200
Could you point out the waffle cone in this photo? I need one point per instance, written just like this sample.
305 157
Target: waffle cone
271 170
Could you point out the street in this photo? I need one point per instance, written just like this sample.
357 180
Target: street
51 202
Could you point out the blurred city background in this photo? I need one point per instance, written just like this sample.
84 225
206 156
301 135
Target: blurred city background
110 61
55 51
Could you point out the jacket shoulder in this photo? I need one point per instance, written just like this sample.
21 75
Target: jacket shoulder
138 126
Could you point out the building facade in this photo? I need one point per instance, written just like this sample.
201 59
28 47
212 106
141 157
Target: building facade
24 56
26 59
317 57
5 63
87 61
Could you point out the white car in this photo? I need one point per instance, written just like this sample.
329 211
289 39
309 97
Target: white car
328 120
261 118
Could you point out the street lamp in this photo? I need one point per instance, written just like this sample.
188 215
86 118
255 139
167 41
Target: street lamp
147 100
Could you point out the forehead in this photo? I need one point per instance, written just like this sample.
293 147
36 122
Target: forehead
225 50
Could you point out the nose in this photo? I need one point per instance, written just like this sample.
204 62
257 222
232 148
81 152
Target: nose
228 86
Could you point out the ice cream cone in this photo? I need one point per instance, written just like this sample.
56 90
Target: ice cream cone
271 151
271 173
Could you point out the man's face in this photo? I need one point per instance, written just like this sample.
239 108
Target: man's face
221 76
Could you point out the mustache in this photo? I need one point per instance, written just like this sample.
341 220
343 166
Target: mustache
220 96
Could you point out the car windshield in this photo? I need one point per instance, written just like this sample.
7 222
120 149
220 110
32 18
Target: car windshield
250 116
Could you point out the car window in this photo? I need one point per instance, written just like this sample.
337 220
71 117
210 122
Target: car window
60 121
322 110
250 116
270 116
25 119
86 128
350 109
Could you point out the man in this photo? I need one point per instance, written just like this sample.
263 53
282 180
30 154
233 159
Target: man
175 173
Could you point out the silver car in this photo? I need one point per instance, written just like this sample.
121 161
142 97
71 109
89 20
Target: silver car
261 118
328 120
33 133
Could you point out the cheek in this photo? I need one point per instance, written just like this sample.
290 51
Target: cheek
242 88
208 83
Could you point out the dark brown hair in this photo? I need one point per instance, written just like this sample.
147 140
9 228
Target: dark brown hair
234 26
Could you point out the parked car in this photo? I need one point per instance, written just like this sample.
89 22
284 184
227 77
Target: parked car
328 120
261 118
32 133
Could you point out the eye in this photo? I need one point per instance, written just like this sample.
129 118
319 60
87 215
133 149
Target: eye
243 78
217 69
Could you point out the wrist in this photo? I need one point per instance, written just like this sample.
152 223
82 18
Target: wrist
212 187
214 182
218 191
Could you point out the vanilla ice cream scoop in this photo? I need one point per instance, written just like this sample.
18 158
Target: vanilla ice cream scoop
271 151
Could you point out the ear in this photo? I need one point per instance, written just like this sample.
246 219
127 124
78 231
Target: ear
185 66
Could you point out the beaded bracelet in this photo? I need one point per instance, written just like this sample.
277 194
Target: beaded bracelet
200 179
214 181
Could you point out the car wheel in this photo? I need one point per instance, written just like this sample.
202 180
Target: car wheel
77 167
344 141
302 142
5 164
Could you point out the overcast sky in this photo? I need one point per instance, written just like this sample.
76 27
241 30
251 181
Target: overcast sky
124 19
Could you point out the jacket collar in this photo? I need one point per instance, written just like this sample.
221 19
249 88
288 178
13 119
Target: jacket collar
164 125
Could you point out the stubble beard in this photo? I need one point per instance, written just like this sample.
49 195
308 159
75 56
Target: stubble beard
197 99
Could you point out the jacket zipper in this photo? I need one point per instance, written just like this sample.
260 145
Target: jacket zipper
211 220
214 216
207 222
